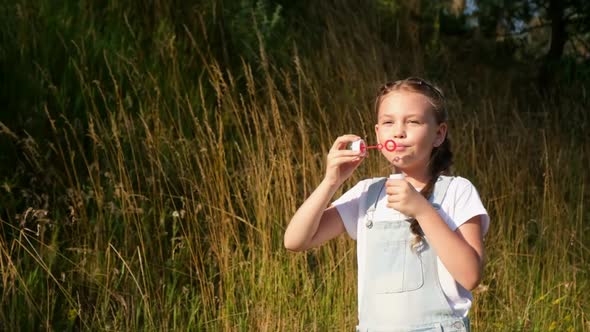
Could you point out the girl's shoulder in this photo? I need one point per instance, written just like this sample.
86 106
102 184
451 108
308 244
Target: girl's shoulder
460 185
462 202
460 181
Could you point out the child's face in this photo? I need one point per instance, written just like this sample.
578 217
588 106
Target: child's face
407 118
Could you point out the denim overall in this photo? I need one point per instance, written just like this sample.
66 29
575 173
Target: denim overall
401 288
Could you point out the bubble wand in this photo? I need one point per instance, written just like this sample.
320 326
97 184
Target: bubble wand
389 145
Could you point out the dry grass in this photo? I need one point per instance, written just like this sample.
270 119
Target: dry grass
166 206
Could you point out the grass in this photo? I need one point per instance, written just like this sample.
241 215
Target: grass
157 190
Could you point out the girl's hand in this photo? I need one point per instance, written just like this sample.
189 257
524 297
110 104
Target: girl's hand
403 197
341 162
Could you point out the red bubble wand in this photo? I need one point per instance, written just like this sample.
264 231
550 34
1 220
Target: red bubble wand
361 146
389 145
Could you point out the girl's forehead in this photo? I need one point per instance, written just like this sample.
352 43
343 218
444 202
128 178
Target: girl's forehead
404 101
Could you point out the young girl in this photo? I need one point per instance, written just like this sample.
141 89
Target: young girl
419 235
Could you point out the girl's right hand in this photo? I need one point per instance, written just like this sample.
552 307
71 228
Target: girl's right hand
341 162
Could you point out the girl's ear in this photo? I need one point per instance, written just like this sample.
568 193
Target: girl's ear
441 133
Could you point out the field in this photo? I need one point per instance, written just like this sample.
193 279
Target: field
147 179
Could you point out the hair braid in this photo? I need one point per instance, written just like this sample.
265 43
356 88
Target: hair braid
441 160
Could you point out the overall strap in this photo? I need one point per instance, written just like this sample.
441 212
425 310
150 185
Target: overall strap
373 193
440 190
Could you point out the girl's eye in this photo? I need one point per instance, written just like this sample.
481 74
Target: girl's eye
387 122
414 121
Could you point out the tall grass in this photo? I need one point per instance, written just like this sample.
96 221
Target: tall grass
160 194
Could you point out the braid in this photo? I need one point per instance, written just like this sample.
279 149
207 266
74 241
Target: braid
441 160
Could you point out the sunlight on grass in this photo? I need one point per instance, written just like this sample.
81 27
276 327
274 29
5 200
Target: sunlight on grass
166 201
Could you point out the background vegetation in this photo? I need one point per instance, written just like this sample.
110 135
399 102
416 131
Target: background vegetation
152 153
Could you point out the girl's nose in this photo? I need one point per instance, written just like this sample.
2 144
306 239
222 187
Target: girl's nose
399 131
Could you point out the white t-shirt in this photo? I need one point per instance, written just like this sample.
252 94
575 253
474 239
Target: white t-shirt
460 204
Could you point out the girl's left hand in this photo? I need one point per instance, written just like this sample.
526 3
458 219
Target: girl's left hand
403 197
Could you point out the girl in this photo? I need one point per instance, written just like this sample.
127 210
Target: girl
420 235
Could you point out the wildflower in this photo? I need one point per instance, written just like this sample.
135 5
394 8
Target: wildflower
178 214
72 314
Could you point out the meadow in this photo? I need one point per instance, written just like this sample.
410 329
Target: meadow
148 177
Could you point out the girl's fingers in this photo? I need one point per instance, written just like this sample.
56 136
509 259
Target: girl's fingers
342 141
395 186
395 182
393 190
395 195
346 159
393 198
345 153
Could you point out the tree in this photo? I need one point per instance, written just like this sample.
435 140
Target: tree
547 29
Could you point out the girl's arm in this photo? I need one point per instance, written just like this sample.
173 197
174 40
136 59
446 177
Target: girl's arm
461 252
313 223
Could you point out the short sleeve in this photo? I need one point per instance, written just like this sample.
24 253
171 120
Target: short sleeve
348 206
462 203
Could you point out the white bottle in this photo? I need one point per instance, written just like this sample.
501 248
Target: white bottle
359 145
397 176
